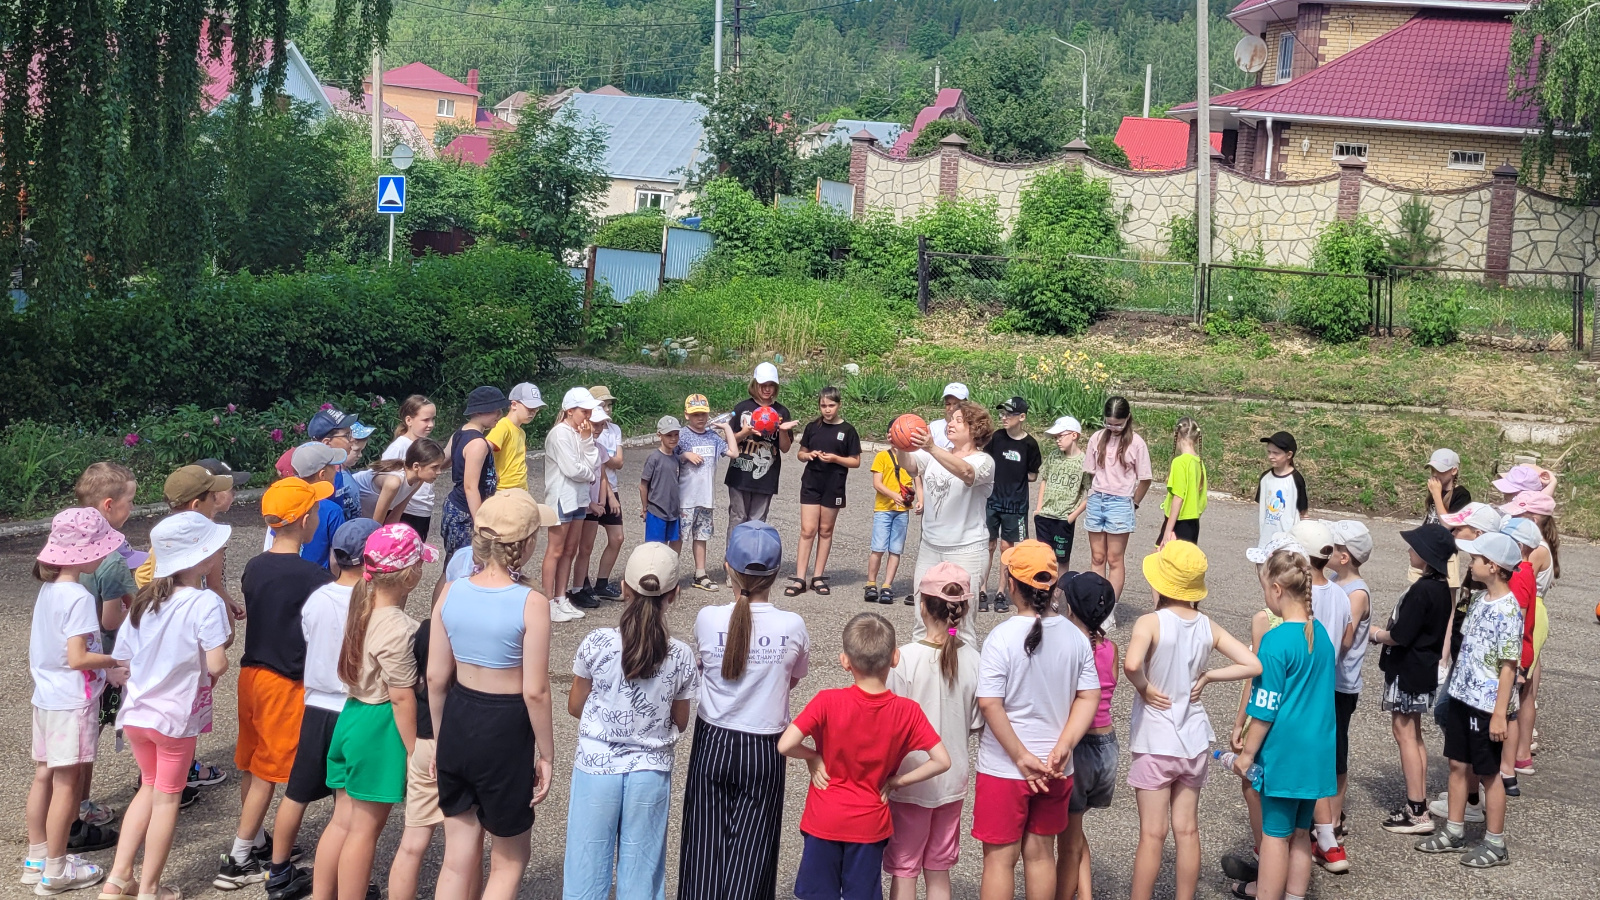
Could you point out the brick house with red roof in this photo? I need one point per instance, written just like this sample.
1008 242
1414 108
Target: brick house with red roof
1417 90
430 97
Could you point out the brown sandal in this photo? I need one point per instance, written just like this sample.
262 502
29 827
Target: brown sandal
796 587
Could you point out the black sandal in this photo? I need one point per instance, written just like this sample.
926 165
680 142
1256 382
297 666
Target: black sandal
820 585
796 587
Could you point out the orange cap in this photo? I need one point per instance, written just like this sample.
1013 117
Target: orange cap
289 499
1032 563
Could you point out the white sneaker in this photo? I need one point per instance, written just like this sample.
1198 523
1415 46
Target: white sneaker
1441 808
566 606
557 614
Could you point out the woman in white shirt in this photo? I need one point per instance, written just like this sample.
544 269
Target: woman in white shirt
955 494
751 655
571 465
417 417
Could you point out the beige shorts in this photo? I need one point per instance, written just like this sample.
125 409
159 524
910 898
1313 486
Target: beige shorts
422 791
66 737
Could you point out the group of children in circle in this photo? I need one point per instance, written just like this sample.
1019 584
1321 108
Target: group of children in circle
341 693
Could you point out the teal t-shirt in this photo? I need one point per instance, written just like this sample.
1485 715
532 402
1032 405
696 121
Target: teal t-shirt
1295 693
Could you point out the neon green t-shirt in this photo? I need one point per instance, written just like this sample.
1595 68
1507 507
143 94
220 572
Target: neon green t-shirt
1187 480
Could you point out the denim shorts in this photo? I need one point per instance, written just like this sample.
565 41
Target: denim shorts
1094 772
889 531
1109 513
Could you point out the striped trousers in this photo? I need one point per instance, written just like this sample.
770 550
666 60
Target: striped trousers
732 816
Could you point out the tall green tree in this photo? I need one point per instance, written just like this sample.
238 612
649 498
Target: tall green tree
1005 92
544 181
1555 68
749 136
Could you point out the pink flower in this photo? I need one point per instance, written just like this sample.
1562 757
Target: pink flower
232 408
376 402
186 435
233 440
130 440
216 420
300 428
277 435
327 406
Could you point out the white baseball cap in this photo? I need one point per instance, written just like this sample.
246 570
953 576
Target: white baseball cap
1283 540
1315 536
528 395
1498 548
1444 460
957 390
599 414
579 398
1354 537
766 373
185 540
1064 425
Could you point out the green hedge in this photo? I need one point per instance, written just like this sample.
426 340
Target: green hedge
491 315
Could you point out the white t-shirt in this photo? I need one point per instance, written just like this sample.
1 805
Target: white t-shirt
369 484
64 609
605 454
952 511
166 657
952 710
1038 690
627 726
1330 605
421 503
322 621
780 652
1278 508
609 441
939 430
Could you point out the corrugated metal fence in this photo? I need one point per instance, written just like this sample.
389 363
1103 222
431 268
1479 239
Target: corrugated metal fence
838 195
685 247
628 273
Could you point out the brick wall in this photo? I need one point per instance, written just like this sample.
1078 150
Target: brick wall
1345 28
1418 159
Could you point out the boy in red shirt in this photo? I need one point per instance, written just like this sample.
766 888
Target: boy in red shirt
862 734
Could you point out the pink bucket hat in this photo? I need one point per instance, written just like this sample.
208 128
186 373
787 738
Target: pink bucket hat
1520 478
1530 502
395 547
78 536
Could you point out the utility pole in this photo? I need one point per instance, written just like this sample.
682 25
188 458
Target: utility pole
377 105
1147 68
1202 157
716 43
936 79
738 7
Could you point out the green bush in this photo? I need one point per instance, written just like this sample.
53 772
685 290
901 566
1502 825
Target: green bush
1434 313
1104 148
1068 198
1338 309
248 340
1183 238
928 139
1058 290
756 239
635 231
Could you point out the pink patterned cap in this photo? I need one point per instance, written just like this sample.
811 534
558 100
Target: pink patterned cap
79 536
396 547
1530 503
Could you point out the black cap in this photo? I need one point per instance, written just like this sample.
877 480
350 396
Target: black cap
1090 596
1283 440
218 467
1014 406
486 399
1434 543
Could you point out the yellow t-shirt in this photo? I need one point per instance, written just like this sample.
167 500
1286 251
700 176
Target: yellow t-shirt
893 478
146 572
510 445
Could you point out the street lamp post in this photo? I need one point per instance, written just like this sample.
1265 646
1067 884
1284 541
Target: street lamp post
1083 99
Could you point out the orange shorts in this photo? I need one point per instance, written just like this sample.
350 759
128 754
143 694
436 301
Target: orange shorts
270 707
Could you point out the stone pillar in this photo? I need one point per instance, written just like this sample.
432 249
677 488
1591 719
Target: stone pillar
1189 160
1502 213
1350 172
1217 162
859 142
1244 152
1075 152
1308 39
950 149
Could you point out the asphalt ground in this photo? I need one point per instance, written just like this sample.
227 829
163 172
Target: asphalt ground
1551 830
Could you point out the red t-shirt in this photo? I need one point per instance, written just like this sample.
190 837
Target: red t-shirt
1525 588
863 738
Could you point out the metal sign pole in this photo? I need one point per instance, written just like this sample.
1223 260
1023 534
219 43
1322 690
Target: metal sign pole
391 239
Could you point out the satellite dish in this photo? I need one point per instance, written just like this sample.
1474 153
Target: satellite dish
401 157
1250 54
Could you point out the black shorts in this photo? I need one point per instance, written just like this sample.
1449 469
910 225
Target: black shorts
1466 739
1344 706
815 491
308 778
1011 527
1187 530
606 518
420 523
1058 533
485 760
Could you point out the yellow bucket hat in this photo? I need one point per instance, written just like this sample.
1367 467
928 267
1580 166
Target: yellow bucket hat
1178 571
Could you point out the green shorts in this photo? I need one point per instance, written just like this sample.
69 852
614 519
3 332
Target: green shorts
1281 817
367 759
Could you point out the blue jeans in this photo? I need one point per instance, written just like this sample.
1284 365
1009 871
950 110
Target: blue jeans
889 531
621 817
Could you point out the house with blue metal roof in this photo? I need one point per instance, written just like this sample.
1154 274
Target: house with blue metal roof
653 147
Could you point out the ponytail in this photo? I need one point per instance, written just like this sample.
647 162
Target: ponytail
950 612
736 654
150 598
644 631
1038 600
387 466
355 624
1552 537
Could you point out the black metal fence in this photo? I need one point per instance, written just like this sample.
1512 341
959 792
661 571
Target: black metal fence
1536 307
1165 287
1269 294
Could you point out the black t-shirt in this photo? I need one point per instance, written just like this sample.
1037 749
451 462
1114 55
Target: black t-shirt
1015 461
1420 620
840 439
1458 500
275 587
760 460
420 649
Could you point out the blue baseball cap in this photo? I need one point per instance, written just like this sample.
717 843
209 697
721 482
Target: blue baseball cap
754 548
329 420
361 432
350 541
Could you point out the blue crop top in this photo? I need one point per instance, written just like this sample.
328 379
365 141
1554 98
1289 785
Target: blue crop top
485 625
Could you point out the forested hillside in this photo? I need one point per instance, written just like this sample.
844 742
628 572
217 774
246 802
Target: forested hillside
871 59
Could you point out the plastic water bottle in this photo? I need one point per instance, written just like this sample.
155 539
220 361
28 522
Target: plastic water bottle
721 418
1225 759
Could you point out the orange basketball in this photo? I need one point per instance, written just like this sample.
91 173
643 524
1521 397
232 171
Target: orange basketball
904 430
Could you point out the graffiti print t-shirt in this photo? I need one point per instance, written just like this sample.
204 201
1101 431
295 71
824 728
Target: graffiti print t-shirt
1491 635
1280 499
953 511
759 462
627 726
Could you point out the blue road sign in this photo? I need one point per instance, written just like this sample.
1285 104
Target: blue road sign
391 194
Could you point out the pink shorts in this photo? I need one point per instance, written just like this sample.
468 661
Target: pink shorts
163 761
1004 808
1155 772
923 839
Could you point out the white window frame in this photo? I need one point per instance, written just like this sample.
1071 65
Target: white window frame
1458 160
1285 56
643 196
1347 147
446 108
